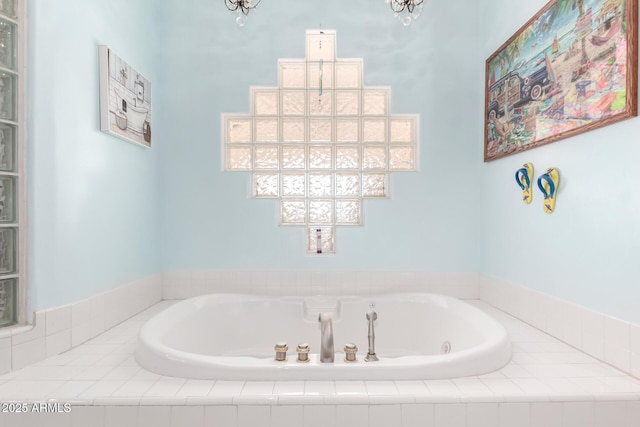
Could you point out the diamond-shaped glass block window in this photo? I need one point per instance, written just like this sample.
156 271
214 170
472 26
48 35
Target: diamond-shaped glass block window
320 142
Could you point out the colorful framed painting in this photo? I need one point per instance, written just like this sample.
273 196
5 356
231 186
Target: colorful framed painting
572 68
125 100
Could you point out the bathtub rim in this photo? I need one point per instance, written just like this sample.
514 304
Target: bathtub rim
151 353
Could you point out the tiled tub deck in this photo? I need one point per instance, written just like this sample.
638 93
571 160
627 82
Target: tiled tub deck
547 383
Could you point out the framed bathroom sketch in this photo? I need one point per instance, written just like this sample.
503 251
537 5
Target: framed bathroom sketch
125 99
571 68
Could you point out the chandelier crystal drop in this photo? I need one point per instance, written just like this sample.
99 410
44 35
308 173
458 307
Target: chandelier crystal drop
242 8
406 11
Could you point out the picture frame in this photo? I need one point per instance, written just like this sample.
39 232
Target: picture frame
125 100
571 68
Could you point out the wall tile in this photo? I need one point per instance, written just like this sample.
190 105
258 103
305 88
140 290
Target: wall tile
28 353
254 416
450 415
121 416
287 415
187 416
5 355
57 319
83 416
578 414
483 414
609 414
156 416
384 415
220 416
21 335
319 415
515 415
418 415
58 342
546 414
352 415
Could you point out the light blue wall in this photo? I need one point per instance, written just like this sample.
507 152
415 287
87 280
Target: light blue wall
208 64
93 220
103 211
587 251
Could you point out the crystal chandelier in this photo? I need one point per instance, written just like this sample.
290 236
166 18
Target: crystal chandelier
406 11
242 7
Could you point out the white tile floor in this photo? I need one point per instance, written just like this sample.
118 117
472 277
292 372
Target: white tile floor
543 370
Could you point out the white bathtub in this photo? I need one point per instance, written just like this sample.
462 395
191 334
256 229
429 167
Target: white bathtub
232 337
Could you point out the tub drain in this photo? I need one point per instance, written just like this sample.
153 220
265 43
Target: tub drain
446 348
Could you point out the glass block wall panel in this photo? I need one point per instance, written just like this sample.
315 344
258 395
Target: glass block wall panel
319 142
347 103
238 158
320 239
294 184
293 130
321 46
7 44
266 185
292 75
320 157
375 102
8 245
293 211
374 185
293 157
265 102
320 185
374 157
7 147
348 212
293 103
348 75
374 130
8 90
8 297
320 104
320 211
320 73
347 130
321 130
265 157
401 158
348 157
238 130
403 130
7 199
348 185
12 188
266 130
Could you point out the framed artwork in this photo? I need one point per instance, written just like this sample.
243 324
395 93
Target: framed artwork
125 100
572 68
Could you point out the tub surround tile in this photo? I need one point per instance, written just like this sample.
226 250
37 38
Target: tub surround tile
604 337
220 416
287 415
180 284
544 378
156 416
353 415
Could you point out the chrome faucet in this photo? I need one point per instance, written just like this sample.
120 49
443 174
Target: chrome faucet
371 354
327 353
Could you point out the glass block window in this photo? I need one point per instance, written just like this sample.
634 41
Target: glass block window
320 142
12 211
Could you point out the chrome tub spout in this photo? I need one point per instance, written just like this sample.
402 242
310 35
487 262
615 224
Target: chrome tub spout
327 353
